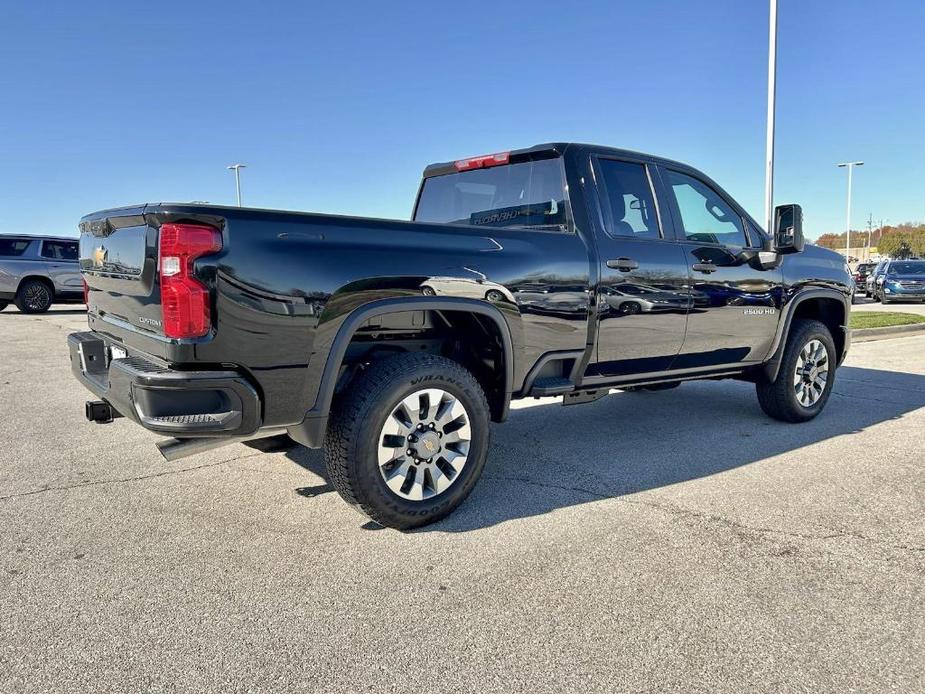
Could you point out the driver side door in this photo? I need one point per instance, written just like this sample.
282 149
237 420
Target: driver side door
735 303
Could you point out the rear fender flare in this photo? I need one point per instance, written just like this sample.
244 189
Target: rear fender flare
311 430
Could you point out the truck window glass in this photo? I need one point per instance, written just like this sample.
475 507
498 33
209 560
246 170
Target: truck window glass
705 216
13 247
629 206
530 194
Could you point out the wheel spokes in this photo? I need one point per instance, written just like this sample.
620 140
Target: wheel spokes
424 444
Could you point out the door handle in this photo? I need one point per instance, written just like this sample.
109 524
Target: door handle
705 268
622 264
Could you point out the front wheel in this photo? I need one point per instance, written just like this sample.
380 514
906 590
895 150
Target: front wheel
408 439
4 304
806 376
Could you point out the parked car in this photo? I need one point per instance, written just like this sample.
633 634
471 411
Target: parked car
218 324
861 273
37 271
872 279
903 280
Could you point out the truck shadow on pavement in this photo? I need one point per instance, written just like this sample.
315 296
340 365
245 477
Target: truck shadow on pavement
543 459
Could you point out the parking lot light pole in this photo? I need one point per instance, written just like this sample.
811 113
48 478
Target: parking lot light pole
237 178
849 165
769 143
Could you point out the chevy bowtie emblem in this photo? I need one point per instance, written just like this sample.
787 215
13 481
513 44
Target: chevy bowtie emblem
99 256
429 445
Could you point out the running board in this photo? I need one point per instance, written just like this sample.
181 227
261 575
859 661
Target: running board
551 385
583 396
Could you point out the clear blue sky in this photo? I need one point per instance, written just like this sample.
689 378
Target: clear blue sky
338 106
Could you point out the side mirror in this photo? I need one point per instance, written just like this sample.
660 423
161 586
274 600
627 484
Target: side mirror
788 229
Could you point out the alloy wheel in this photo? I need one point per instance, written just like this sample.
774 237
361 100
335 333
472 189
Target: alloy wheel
424 444
811 373
37 296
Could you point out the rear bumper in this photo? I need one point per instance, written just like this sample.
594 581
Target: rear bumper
164 400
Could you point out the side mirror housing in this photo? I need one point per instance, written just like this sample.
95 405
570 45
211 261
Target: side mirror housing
788 229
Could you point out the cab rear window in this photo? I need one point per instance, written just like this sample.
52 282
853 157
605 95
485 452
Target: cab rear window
528 195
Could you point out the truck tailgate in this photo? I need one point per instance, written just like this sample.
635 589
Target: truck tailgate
118 259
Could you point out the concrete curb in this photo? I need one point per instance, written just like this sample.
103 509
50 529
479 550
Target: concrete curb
869 334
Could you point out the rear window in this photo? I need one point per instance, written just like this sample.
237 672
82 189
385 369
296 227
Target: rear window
529 195
13 247
59 250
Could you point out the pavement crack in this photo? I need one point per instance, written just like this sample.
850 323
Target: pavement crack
122 480
561 487
740 529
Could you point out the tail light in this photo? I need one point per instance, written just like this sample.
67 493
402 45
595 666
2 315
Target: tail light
86 291
184 299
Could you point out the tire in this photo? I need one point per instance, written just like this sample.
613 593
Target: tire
358 426
779 398
34 296
4 304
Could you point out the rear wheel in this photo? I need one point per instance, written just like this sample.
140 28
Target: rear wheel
34 296
806 376
408 439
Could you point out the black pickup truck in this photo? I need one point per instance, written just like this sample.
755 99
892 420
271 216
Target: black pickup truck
562 269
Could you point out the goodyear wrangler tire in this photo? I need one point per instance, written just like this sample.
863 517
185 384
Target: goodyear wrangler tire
407 440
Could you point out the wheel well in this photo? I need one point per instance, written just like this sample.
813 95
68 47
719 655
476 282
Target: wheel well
474 341
47 282
830 312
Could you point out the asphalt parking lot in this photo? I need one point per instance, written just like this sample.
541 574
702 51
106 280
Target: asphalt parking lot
673 541
865 304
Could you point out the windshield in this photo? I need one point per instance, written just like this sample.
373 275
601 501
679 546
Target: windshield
530 194
908 267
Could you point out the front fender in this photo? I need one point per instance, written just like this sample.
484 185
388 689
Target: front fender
773 360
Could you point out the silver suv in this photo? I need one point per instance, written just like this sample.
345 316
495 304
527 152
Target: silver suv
36 271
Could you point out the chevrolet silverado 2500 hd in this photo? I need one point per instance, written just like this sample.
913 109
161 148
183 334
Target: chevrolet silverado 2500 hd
562 269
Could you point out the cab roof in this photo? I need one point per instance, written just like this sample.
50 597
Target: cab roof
546 150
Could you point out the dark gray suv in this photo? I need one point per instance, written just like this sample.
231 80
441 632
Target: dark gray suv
36 271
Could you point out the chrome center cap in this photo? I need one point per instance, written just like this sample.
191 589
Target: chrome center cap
427 445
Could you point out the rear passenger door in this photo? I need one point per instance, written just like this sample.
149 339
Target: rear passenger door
735 304
60 258
643 297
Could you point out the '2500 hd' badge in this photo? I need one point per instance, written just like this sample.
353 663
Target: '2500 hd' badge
763 311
